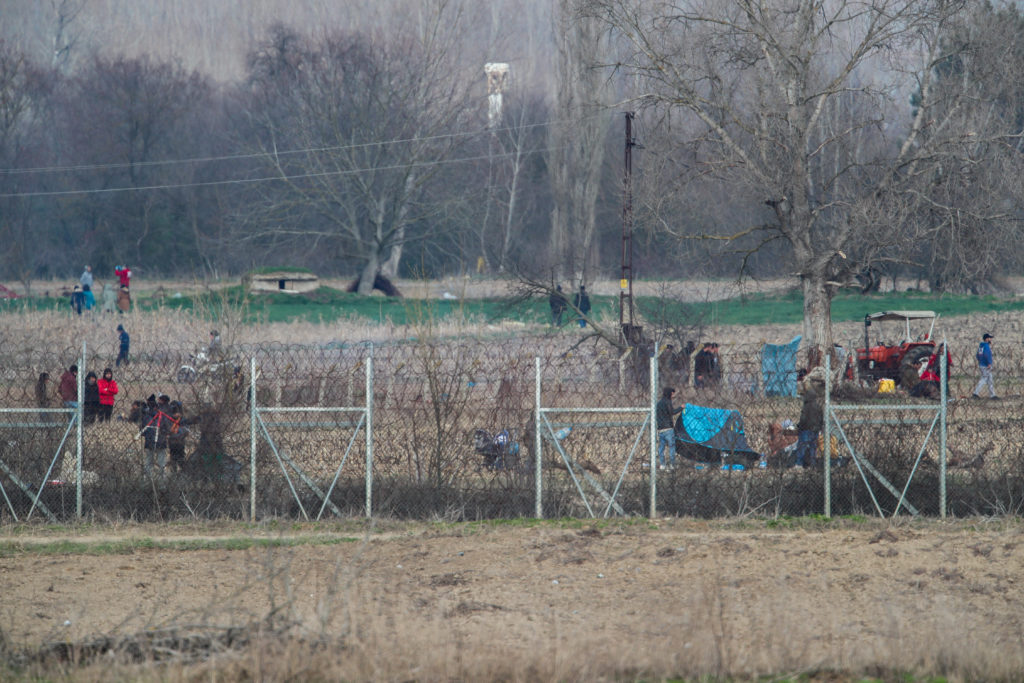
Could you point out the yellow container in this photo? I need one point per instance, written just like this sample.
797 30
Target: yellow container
886 386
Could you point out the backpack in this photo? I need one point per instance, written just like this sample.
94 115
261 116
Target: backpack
981 352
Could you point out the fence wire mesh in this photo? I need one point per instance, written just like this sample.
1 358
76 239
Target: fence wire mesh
453 433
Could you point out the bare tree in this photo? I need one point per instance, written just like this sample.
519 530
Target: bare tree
577 139
376 118
24 91
796 107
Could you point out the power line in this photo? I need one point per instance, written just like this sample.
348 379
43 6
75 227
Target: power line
257 155
243 181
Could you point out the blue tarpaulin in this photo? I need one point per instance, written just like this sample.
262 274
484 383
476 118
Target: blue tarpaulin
778 368
719 429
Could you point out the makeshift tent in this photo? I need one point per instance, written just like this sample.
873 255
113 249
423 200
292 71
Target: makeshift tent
717 431
778 368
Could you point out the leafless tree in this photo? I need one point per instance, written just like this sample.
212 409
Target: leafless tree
798 108
375 119
577 139
24 89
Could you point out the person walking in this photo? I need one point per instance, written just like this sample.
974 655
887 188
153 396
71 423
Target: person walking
582 303
108 390
558 303
123 343
665 414
985 367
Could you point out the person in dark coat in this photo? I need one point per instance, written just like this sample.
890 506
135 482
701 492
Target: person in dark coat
558 303
582 303
91 399
124 342
812 420
665 417
703 366
68 387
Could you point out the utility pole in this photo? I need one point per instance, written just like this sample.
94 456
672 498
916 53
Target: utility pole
628 332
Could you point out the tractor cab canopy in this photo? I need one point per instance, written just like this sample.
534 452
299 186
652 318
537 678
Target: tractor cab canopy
906 317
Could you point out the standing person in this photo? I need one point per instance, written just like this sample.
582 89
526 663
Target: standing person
124 300
91 398
109 297
214 350
124 275
77 299
108 390
985 367
702 366
156 425
86 279
582 303
43 394
176 434
558 303
665 415
68 387
123 343
716 365
88 299
812 420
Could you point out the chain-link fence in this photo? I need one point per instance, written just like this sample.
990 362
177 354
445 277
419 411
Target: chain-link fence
450 429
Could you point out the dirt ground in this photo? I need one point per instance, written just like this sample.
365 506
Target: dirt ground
671 596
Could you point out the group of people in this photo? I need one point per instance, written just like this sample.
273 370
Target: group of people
83 297
98 393
164 429
559 302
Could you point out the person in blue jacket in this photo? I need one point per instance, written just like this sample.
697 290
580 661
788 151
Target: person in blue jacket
985 367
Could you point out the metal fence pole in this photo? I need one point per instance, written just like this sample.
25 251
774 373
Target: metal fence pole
654 435
943 388
538 492
369 435
78 436
827 455
252 439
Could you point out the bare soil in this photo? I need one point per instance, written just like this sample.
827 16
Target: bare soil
574 600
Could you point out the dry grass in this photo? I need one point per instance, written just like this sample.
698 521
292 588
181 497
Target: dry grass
616 602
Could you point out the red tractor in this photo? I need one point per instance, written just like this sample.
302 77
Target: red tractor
896 360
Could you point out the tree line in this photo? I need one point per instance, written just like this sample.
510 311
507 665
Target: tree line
826 140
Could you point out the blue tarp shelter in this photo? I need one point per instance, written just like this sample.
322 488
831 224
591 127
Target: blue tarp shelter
778 368
716 429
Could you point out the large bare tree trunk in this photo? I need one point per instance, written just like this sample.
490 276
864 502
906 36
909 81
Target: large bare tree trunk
369 274
817 317
578 143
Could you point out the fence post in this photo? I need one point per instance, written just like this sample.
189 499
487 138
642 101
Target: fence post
78 436
369 435
538 492
827 455
943 389
252 439
653 374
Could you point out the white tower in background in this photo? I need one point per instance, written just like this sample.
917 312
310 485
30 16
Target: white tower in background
497 81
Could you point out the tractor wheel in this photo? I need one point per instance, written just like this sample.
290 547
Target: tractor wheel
909 377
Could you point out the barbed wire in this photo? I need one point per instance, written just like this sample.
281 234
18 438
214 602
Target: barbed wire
454 434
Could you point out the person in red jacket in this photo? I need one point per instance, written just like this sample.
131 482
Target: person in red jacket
108 390
124 275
